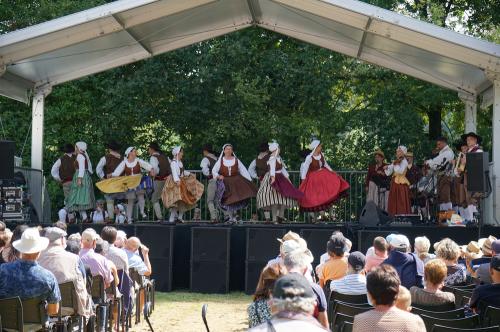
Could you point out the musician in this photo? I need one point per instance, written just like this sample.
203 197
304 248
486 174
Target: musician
443 165
399 194
414 175
459 197
376 182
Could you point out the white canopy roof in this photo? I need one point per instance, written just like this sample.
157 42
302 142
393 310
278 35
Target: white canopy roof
125 31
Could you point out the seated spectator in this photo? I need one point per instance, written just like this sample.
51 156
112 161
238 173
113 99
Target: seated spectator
296 260
377 254
61 225
422 246
99 215
5 237
403 301
132 247
25 277
97 264
354 282
121 238
410 269
488 294
483 271
293 303
120 214
9 253
336 267
325 257
259 311
449 252
101 248
63 215
434 276
383 284
114 254
66 267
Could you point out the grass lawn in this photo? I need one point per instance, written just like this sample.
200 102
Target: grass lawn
181 311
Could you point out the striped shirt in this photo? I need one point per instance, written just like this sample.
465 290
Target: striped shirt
352 284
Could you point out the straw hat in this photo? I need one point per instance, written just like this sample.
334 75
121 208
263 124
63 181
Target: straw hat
31 242
486 245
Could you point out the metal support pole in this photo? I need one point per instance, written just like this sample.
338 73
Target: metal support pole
470 111
496 146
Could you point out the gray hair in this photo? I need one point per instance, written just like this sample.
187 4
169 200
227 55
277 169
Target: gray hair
422 244
296 260
448 249
296 304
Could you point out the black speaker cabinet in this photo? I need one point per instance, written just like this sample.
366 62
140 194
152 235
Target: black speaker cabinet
7 151
162 273
210 259
158 238
372 215
262 243
316 241
252 274
477 172
365 238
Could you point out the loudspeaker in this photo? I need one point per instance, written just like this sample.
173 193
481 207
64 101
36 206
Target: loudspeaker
477 172
162 273
262 243
158 238
316 241
7 151
210 259
252 274
372 215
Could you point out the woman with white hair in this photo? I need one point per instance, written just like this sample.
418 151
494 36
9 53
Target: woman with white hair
276 192
234 184
422 246
181 190
321 186
81 197
399 194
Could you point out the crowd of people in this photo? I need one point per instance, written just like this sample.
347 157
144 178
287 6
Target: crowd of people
292 296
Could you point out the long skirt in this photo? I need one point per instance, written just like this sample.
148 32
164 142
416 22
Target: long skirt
81 198
321 190
234 192
281 192
183 195
399 199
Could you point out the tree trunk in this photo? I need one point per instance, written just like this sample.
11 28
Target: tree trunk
434 122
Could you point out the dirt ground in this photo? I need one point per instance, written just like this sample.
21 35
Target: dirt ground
181 311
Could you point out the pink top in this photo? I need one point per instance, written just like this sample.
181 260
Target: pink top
373 261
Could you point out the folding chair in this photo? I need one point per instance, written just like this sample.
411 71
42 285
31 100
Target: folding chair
349 310
35 314
139 296
463 323
349 299
115 303
491 316
451 314
439 328
436 308
339 320
346 327
68 308
11 311
98 293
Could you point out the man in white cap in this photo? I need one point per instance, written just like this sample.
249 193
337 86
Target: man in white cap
97 264
25 277
66 267
409 267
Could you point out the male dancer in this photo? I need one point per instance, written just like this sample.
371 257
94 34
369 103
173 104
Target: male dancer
161 168
106 166
376 182
207 164
258 168
63 170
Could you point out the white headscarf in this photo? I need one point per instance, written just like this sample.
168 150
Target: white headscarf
403 148
222 152
314 144
129 149
274 149
82 146
175 151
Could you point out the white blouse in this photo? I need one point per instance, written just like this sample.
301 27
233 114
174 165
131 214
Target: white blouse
121 167
80 159
176 166
272 166
229 163
305 165
398 169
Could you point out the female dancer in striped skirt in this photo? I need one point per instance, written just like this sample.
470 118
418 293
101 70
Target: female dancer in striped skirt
276 192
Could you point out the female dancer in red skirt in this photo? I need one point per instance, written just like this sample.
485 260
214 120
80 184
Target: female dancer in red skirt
399 194
321 185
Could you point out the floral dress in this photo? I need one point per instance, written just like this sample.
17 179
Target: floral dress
457 275
258 312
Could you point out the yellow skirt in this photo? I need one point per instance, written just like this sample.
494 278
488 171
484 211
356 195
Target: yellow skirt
186 193
119 184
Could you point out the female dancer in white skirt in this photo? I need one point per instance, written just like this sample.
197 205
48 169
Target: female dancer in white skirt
276 192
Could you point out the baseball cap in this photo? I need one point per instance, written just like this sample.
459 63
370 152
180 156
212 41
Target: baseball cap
54 233
399 241
292 286
495 263
357 260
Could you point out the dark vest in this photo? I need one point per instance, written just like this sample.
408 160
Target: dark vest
211 164
224 171
134 170
315 164
164 166
112 163
261 166
67 169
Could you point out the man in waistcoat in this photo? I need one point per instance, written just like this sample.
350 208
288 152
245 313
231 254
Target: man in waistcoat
63 170
207 163
258 168
161 168
106 166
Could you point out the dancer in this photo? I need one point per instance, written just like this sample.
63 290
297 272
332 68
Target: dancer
81 197
207 164
376 182
105 168
161 168
276 192
443 165
259 167
234 184
322 187
182 190
63 170
130 166
399 194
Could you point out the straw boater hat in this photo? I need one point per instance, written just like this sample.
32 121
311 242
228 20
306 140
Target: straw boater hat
379 152
31 242
486 245
289 236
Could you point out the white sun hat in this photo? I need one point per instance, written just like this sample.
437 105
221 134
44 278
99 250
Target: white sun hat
31 242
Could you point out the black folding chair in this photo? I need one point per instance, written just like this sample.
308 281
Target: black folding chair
11 311
137 279
204 310
451 314
35 314
346 298
439 328
101 304
339 320
346 327
491 316
436 308
68 308
463 323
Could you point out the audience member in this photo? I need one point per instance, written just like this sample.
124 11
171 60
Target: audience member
296 260
10 254
409 268
121 238
99 215
5 237
422 246
488 294
377 254
336 267
403 300
25 278
293 303
449 252
73 246
114 254
66 267
132 247
97 264
354 282
325 257
434 276
483 271
259 311
383 284
101 248
120 214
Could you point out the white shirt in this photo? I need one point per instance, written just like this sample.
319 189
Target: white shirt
205 164
176 166
470 149
230 163
352 284
155 163
55 168
121 168
445 155
398 169
120 219
80 159
102 162
305 165
99 216
272 166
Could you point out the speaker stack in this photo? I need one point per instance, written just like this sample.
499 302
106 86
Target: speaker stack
262 245
11 196
478 172
210 259
372 215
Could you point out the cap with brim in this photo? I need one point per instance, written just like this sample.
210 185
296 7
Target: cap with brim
399 241
31 242
379 152
54 233
495 263
472 134
208 147
289 236
293 286
113 145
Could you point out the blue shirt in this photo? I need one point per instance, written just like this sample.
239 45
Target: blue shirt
135 262
27 279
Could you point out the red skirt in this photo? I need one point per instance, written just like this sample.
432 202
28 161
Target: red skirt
321 189
399 199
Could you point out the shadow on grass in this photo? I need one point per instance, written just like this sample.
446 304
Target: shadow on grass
185 296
